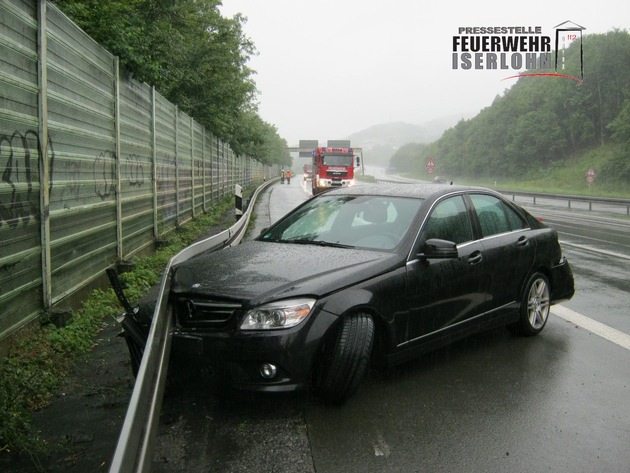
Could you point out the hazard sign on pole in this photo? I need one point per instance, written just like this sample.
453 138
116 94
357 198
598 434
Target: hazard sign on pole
590 174
430 166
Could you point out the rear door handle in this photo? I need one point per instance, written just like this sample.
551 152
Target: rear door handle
523 241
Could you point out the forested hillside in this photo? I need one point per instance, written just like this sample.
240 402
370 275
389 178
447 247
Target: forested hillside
542 122
381 141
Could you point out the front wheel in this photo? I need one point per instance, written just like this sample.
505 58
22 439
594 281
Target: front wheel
344 358
535 306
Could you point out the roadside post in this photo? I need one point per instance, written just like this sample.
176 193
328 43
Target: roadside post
238 202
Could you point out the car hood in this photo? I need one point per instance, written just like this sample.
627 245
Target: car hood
256 272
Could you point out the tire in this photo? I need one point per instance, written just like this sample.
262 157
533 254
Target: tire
344 358
535 306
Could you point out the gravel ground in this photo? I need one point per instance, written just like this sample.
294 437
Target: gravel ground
85 417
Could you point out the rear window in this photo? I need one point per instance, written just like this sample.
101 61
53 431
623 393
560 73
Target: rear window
495 217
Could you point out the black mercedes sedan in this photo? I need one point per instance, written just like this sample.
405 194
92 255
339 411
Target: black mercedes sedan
365 275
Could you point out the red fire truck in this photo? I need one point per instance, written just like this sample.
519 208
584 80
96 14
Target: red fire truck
333 167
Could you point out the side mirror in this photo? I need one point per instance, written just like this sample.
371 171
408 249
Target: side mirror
358 161
435 248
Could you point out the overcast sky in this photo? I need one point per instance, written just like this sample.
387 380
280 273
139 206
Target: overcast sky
329 68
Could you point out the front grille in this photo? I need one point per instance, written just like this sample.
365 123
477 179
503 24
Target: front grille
205 313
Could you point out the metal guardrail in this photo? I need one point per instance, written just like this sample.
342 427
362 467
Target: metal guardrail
135 443
591 201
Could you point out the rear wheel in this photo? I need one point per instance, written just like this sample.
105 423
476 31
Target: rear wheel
535 306
344 359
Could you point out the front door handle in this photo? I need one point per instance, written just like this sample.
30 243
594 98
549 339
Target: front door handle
475 257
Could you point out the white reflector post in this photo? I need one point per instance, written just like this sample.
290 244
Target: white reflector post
238 201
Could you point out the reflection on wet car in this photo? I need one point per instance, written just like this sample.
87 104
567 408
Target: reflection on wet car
375 274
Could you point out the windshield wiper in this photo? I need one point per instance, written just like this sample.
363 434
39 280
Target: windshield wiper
318 243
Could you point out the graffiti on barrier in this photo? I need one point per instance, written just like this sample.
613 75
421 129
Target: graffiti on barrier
19 164
104 172
133 170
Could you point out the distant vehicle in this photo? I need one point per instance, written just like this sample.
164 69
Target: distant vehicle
439 180
308 171
367 274
333 167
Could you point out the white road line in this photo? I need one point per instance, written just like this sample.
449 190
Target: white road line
592 249
613 335
381 449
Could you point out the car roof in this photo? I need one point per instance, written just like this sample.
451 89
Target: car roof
418 191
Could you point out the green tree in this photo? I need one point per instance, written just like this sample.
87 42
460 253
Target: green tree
194 56
408 157
540 121
618 168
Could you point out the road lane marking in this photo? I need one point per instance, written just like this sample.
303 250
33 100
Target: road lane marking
592 249
611 334
381 449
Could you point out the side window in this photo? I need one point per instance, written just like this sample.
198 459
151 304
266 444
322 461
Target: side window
449 221
491 215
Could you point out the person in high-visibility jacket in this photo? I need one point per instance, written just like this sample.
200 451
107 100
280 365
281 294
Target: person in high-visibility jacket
288 176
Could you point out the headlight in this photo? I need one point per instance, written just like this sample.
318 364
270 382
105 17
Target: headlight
277 315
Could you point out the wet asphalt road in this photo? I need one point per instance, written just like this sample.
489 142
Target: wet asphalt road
557 402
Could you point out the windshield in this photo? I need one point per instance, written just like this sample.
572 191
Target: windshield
356 221
338 160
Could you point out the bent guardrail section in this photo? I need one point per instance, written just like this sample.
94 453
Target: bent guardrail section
135 444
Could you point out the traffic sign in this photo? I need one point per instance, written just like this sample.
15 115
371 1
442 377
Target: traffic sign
590 174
